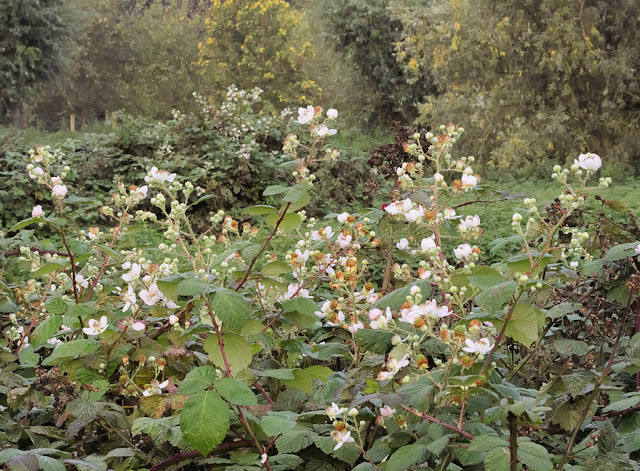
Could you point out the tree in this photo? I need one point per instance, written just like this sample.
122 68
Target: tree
252 44
534 81
32 41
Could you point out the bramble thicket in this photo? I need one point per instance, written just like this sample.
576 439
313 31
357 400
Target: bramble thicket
222 275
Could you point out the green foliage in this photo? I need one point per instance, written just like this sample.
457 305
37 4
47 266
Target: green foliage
538 82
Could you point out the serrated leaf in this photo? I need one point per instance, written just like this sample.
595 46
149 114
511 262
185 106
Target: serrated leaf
497 459
302 381
290 221
283 373
621 251
376 341
483 443
562 310
497 296
407 456
296 193
319 372
276 268
274 190
55 306
396 298
198 379
23 462
26 222
295 440
623 404
50 268
193 287
237 350
235 392
523 325
259 209
230 307
571 347
535 457
70 350
204 421
276 423
45 330
349 452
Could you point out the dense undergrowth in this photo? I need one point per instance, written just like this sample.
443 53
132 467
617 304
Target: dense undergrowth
313 336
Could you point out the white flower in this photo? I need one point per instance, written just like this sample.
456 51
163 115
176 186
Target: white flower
342 218
159 175
129 298
133 274
138 326
54 341
413 214
482 346
323 131
345 437
637 249
263 458
36 172
37 212
589 161
449 213
305 115
59 190
381 321
155 388
333 410
173 319
469 222
293 290
353 328
574 264
171 304
96 327
152 295
143 190
438 177
463 250
428 243
332 113
386 411
394 365
403 244
374 314
469 180
344 240
80 280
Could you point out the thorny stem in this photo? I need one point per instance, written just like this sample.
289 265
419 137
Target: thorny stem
596 390
192 454
513 442
524 361
264 246
438 421
507 318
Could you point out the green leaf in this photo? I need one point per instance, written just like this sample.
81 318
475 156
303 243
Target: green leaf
45 330
23 462
302 381
497 459
237 350
523 325
193 287
26 222
283 373
296 193
626 403
71 350
620 251
576 383
259 209
300 312
198 379
295 440
290 221
349 452
81 310
562 310
276 423
55 306
276 268
497 296
28 358
571 347
407 456
110 252
204 421
274 190
396 298
50 268
235 392
483 443
376 341
319 372
535 457
169 289
230 307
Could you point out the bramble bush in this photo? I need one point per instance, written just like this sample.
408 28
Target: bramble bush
215 351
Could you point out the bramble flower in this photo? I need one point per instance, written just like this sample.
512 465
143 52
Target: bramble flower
463 250
469 180
36 172
413 214
37 212
589 161
293 290
482 346
155 388
129 298
381 320
332 113
342 438
342 218
403 244
159 175
387 411
353 328
96 327
324 130
173 319
449 213
637 249
133 274
152 295
138 326
428 243
305 115
344 240
58 188
333 410
54 341
80 280
470 222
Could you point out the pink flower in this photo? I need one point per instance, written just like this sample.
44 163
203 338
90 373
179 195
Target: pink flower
305 115
589 161
159 175
469 180
152 295
138 326
342 218
332 113
463 250
59 190
386 411
37 212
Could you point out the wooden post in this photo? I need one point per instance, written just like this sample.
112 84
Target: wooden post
72 122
